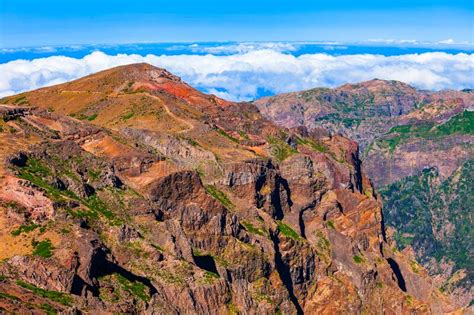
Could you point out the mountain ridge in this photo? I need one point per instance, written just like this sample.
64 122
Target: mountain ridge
110 201
402 132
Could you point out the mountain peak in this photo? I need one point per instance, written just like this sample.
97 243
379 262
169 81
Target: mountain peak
134 79
143 71
377 85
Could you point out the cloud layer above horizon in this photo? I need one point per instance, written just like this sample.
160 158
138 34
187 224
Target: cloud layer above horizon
249 75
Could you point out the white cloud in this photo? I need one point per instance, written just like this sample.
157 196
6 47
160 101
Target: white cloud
413 42
244 76
236 48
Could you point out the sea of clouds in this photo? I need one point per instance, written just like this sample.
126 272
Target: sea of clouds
247 75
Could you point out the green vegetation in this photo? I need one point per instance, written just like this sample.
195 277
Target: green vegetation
43 248
219 196
288 231
37 172
314 145
22 100
462 123
158 248
24 229
92 117
135 288
81 116
55 296
254 230
420 204
9 296
358 259
232 309
323 247
211 275
48 308
95 204
330 224
226 135
128 116
402 240
279 149
93 174
244 135
192 142
414 266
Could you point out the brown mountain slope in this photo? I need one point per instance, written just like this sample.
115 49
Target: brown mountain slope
129 191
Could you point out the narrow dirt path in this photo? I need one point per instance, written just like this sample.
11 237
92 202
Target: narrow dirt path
173 115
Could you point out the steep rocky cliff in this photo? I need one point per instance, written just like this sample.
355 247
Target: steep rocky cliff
436 215
128 191
405 135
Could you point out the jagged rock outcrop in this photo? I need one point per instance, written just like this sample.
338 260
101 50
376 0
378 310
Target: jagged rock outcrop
402 132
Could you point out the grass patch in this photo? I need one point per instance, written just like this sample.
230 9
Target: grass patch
254 230
128 116
9 296
22 100
48 308
97 209
211 275
358 260
330 224
84 117
135 288
219 196
314 145
43 248
323 247
96 205
24 229
415 267
279 149
288 231
192 142
55 296
226 135
92 117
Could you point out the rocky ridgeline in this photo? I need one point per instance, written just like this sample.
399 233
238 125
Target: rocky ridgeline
228 214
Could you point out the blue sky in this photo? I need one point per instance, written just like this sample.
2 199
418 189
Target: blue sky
53 22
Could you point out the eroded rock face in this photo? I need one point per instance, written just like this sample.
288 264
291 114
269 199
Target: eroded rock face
403 133
286 221
43 274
